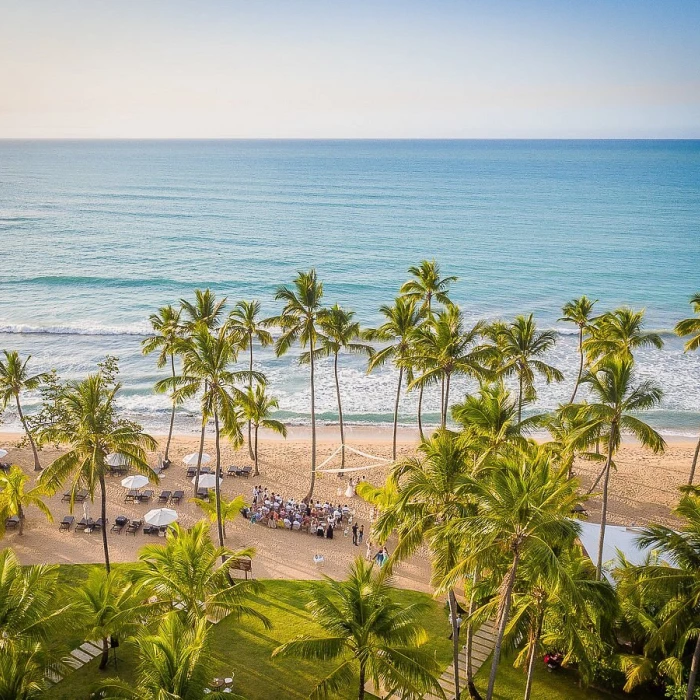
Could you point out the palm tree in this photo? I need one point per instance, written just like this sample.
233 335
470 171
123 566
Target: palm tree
15 380
578 311
368 630
246 327
257 407
678 583
14 498
185 574
691 327
23 670
518 347
88 423
398 330
109 606
431 495
206 361
445 349
230 510
522 509
615 403
338 332
204 310
298 321
166 341
619 333
175 663
426 286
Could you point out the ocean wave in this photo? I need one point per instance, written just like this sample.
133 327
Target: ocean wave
21 329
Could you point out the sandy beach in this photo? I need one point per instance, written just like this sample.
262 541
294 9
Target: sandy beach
644 489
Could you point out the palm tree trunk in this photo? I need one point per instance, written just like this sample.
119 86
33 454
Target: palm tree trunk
250 385
692 678
442 394
256 450
340 416
105 546
446 402
604 508
20 515
199 457
104 659
313 425
217 484
535 638
420 411
396 413
37 466
504 613
694 464
172 413
455 638
520 398
580 365
597 479
361 693
471 687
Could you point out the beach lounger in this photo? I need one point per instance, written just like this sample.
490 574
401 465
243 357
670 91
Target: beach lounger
203 494
133 527
66 523
131 496
191 471
99 524
145 496
177 496
150 530
231 471
244 471
85 524
12 522
164 497
119 523
81 495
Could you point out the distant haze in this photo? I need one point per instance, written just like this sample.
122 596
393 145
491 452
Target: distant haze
349 69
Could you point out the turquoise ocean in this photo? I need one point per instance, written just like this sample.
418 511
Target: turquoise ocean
95 235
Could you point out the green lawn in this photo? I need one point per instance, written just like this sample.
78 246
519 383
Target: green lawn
244 648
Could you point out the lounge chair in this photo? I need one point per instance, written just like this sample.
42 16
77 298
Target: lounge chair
145 496
131 496
231 471
177 496
99 524
150 530
12 522
164 497
244 471
203 494
85 524
191 471
66 523
133 527
119 523
81 495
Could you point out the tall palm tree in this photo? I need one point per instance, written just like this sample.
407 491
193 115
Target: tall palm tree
398 330
257 408
246 327
425 286
679 582
691 327
299 323
431 495
165 340
15 498
518 347
185 575
206 367
109 606
619 333
615 404
337 333
175 662
522 509
230 510
369 631
88 423
447 349
579 312
14 381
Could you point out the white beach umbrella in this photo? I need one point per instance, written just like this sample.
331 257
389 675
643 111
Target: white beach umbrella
86 510
191 459
3 453
160 516
117 460
134 482
207 481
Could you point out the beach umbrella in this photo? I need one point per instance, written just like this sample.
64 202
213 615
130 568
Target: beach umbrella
160 516
191 459
86 510
134 482
117 460
3 453
207 481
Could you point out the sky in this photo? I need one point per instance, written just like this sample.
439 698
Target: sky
349 69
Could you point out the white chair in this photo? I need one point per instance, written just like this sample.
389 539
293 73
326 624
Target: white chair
228 681
319 560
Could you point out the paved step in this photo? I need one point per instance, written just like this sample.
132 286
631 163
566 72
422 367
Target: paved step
91 649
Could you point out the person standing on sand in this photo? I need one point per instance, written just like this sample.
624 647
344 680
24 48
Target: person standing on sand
361 534
368 555
354 534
